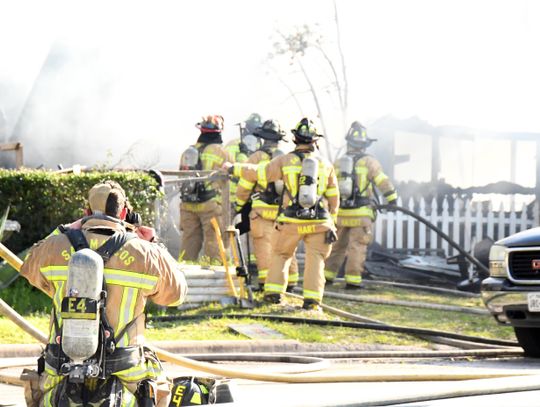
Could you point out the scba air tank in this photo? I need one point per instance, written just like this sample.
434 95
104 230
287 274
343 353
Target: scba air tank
278 185
307 184
251 143
80 307
190 159
345 182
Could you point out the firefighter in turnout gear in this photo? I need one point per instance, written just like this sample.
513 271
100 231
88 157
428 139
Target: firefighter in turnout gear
358 173
241 148
307 211
129 271
201 200
265 197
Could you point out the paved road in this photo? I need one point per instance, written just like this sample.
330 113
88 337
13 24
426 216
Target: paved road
363 394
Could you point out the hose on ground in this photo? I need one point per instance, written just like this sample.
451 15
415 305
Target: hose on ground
419 287
343 324
401 303
430 225
465 389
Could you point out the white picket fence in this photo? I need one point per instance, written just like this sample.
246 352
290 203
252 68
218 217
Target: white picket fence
466 224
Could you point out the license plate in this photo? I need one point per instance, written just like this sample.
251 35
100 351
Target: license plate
533 300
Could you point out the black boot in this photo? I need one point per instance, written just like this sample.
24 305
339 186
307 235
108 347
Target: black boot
354 286
311 305
290 288
272 298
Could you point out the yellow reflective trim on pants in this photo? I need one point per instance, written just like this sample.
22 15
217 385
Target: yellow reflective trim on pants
331 192
362 211
293 279
380 178
285 219
244 183
330 275
313 295
353 279
274 288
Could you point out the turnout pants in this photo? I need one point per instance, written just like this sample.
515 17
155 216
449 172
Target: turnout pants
197 232
352 243
286 241
264 235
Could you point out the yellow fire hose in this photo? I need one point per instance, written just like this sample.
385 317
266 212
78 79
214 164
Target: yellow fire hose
221 247
270 377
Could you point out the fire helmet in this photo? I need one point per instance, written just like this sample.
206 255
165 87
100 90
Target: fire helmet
188 391
211 124
357 136
252 122
270 130
305 132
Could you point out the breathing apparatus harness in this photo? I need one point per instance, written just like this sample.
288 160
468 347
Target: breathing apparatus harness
307 204
270 195
355 200
196 191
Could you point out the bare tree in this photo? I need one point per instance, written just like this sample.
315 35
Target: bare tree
304 42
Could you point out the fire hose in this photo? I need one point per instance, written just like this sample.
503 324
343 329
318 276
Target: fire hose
273 377
430 225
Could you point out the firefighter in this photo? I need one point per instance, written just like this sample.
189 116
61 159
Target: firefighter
241 148
135 271
307 211
201 201
358 173
265 198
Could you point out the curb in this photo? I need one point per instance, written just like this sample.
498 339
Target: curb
181 347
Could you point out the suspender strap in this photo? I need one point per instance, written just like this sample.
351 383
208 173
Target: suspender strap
107 250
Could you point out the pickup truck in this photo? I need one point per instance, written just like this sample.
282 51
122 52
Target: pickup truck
512 291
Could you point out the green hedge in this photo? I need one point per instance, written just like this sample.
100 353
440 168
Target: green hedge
42 200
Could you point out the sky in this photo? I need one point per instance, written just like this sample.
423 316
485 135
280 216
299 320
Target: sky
162 65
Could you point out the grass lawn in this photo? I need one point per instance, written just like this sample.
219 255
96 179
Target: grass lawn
205 328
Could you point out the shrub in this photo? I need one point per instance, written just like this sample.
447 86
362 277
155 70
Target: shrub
42 200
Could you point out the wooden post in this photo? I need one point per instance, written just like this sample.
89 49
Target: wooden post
18 148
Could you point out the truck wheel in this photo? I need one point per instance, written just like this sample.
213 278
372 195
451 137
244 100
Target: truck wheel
529 340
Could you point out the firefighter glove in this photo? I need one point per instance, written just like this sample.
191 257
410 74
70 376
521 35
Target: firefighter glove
330 237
